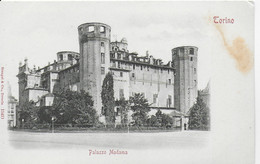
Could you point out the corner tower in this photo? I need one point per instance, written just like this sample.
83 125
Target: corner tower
94 41
185 81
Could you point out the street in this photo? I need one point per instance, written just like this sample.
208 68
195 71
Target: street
172 140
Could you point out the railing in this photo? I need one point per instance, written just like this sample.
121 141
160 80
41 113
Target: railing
49 127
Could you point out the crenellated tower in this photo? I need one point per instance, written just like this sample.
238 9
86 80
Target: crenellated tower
185 81
94 42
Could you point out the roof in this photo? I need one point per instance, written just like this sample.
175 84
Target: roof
206 90
49 95
175 113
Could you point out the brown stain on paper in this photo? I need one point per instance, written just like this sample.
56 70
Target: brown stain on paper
238 51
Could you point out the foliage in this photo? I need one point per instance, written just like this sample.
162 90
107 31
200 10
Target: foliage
70 107
108 100
152 121
163 120
167 120
199 116
158 115
44 114
124 108
139 105
28 113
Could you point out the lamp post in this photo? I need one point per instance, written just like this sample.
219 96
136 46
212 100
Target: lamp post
23 123
52 120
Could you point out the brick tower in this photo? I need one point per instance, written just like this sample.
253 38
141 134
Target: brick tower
185 81
94 41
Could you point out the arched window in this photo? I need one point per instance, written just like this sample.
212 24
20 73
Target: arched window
70 57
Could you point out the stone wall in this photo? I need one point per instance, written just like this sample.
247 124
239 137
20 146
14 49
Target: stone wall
185 91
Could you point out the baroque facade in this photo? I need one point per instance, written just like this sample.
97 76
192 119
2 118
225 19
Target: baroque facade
171 86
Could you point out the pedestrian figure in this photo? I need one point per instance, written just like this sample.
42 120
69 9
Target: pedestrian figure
185 126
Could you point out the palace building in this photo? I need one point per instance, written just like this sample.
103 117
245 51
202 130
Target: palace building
171 86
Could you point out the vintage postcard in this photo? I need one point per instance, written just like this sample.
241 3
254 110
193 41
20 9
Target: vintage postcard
127 82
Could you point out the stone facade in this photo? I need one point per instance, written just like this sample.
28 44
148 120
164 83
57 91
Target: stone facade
185 88
171 86
12 111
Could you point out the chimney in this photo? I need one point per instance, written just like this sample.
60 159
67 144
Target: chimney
26 61
147 53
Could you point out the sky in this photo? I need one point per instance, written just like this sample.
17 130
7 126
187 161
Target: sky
38 30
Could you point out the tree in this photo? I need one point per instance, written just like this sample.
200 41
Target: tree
167 120
44 114
70 107
28 114
158 115
139 105
163 120
152 121
108 100
124 108
199 115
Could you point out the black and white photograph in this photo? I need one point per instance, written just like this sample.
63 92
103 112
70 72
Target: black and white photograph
127 82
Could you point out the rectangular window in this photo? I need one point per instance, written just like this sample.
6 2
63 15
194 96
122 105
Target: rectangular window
112 55
169 81
191 51
91 28
102 58
117 111
133 74
133 66
195 70
102 29
121 93
114 64
121 74
118 65
102 44
191 58
169 101
61 57
102 70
